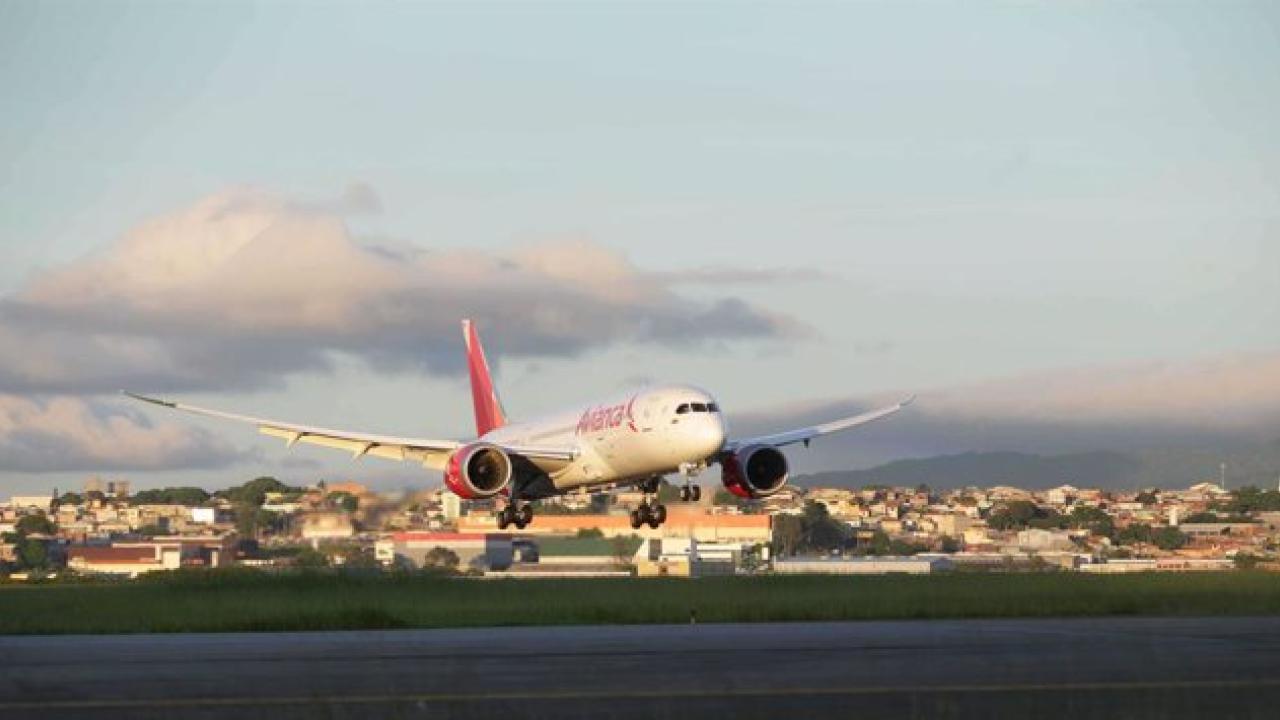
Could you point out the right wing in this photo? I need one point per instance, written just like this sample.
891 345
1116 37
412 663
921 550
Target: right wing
806 434
430 453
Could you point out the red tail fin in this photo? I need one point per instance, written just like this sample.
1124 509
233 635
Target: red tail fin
484 396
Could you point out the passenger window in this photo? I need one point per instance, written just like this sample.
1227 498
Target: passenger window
682 409
712 407
699 407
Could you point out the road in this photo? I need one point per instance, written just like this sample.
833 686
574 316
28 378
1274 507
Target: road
1078 668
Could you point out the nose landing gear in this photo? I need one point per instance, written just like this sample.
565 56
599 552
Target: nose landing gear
691 493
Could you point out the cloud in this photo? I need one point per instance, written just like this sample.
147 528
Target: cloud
63 434
244 288
1216 402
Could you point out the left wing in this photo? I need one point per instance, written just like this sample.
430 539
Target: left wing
806 434
431 453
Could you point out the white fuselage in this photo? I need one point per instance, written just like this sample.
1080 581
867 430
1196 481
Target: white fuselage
641 435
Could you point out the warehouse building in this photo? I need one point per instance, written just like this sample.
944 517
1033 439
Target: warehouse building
881 565
479 551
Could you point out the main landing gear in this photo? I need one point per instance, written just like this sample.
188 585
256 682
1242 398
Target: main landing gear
649 512
515 514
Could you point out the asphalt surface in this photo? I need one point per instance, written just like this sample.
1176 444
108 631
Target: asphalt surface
1079 668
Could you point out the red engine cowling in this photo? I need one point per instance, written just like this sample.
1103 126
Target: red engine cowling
479 470
755 471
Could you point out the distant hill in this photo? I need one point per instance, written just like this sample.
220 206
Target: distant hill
1166 467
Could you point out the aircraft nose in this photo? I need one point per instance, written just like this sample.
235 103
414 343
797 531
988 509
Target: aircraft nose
714 435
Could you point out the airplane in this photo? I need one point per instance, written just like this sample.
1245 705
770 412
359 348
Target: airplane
632 440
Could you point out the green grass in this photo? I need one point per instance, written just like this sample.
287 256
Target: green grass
238 601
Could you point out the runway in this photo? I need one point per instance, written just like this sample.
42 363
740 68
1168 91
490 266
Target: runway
1078 668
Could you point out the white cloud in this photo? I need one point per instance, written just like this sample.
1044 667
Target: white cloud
72 434
243 288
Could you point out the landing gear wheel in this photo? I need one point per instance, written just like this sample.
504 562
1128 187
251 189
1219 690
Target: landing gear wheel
504 519
686 494
525 515
637 519
696 492
658 515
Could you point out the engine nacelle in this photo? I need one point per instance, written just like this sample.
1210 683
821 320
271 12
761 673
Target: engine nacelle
755 471
479 470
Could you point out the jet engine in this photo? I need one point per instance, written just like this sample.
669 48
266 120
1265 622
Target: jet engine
754 471
479 470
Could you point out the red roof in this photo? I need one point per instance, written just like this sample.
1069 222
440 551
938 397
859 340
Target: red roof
95 554
420 536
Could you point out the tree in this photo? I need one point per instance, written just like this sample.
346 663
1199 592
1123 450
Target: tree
1134 534
949 544
821 531
255 491
788 532
35 524
152 531
70 498
310 558
1169 538
1148 497
1019 514
252 520
32 553
1251 499
622 550
1245 561
441 558
1202 517
724 497
1093 519
344 501
189 496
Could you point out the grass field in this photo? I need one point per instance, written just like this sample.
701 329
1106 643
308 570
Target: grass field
224 602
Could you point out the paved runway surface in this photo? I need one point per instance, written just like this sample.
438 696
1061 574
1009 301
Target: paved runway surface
1130 667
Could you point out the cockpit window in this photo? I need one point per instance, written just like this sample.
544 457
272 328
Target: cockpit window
712 407
682 409
698 407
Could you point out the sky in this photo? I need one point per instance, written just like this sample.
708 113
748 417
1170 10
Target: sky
1034 216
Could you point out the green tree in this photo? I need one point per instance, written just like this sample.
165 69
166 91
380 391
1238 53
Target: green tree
1134 534
32 553
1093 519
788 532
310 558
251 521
36 523
724 497
1245 561
441 558
344 501
948 544
1019 514
189 496
255 491
623 549
152 531
1169 538
1251 499
1148 497
70 498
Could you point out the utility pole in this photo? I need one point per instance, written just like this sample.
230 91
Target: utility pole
1222 475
